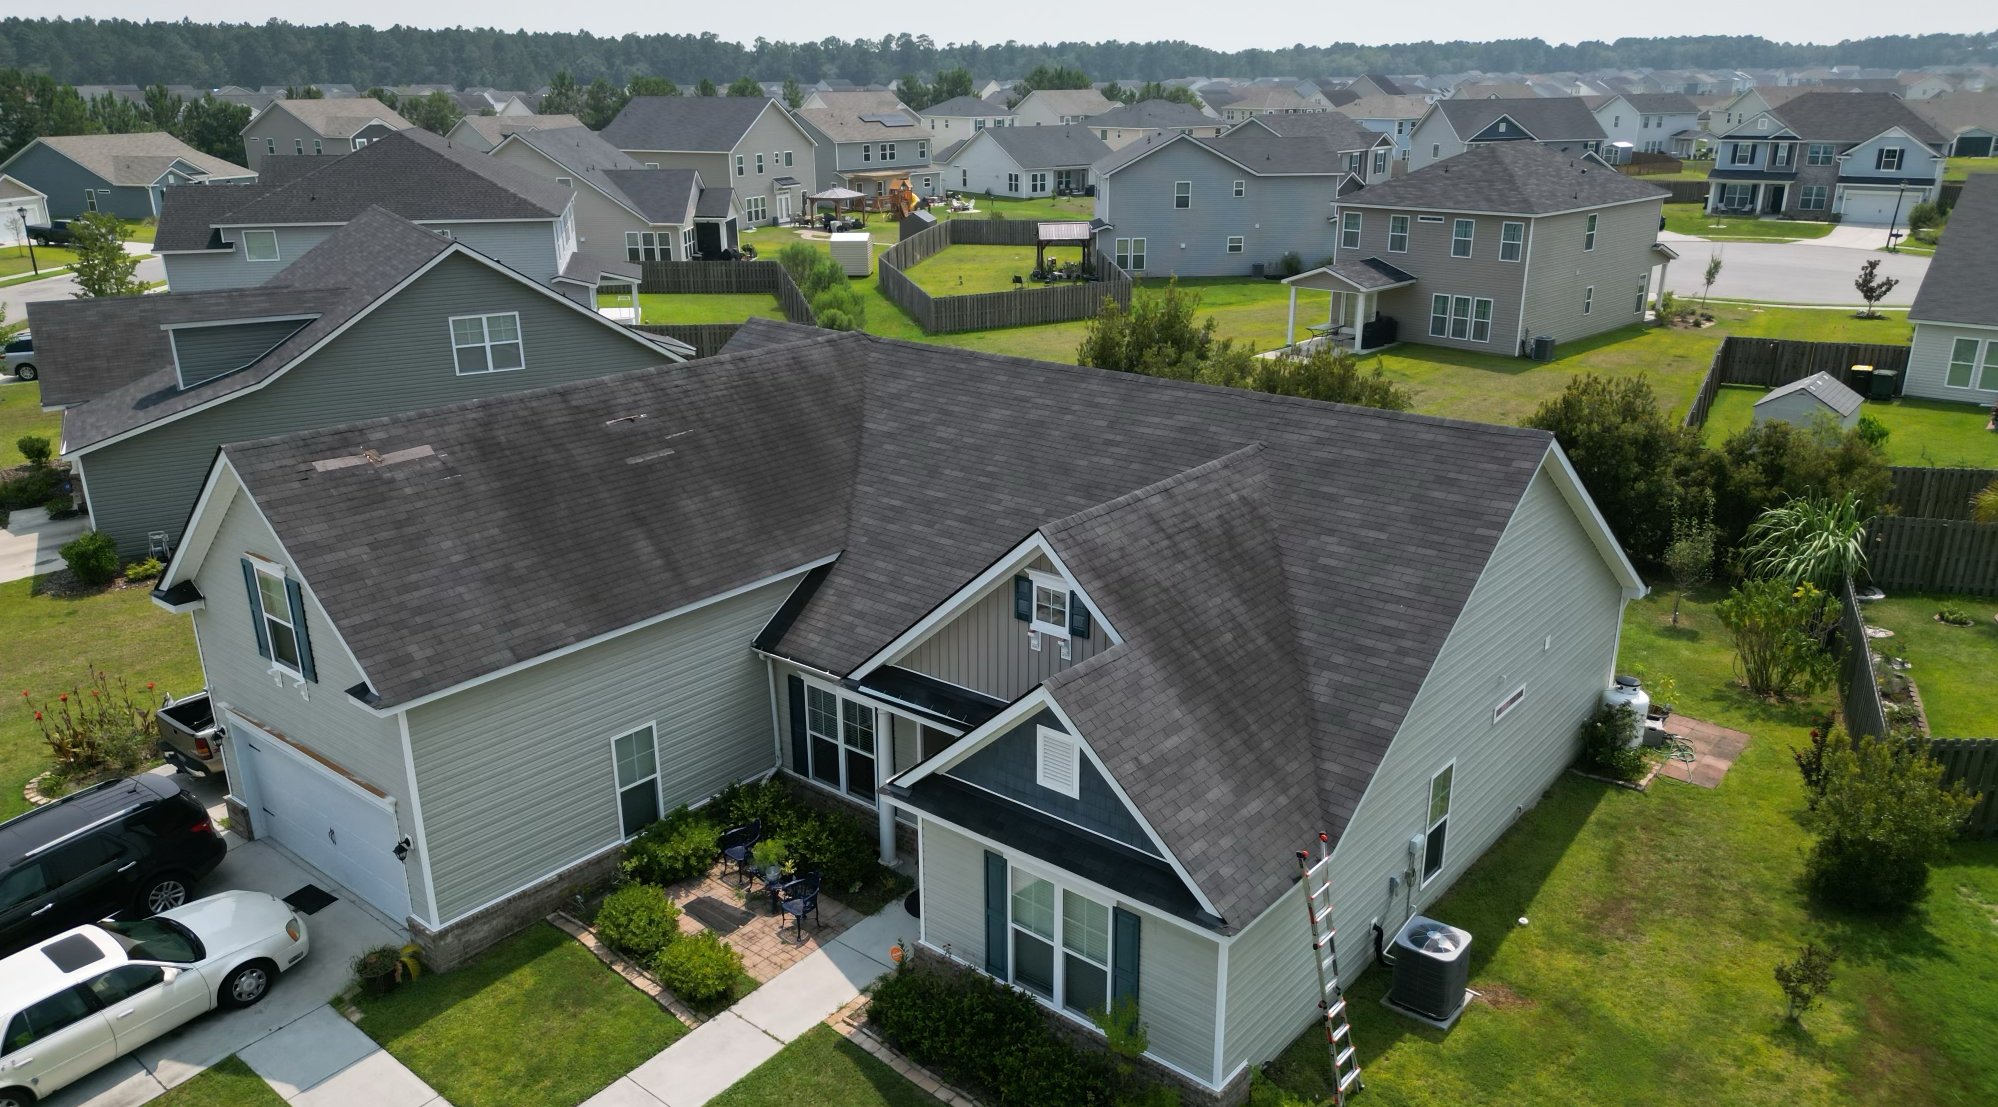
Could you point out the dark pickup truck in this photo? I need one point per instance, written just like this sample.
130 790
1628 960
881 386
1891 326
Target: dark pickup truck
55 232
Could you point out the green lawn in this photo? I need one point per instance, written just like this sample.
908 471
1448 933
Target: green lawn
1694 171
823 1069
705 307
535 1022
1961 168
15 260
142 231
50 642
229 1083
21 414
1815 324
1924 432
964 270
1692 219
1952 665
1644 974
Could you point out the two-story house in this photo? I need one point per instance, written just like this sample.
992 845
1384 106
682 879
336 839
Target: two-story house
1866 157
1025 161
483 132
1391 115
1648 123
625 213
1248 103
745 143
323 128
1111 697
1968 120
1153 119
127 175
960 117
382 316
1450 127
1954 355
1368 154
1492 248
1059 107
869 151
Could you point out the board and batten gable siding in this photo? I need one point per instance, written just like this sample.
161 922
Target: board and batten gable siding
1928 363
232 268
202 353
601 222
1482 274
319 716
1008 764
1545 614
986 650
397 359
516 775
1273 216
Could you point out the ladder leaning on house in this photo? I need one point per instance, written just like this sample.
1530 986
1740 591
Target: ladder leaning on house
1325 954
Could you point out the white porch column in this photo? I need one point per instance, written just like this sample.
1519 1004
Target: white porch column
1290 332
1361 311
884 767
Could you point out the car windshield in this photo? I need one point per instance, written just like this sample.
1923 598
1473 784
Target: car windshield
156 940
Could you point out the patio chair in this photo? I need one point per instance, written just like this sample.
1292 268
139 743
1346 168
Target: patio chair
800 898
738 844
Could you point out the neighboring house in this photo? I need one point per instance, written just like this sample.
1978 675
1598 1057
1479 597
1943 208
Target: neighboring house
1111 702
22 205
238 237
1025 161
483 132
960 117
321 127
1562 124
382 317
626 213
1864 156
1968 121
1648 123
1153 119
126 175
1379 84
1493 248
1955 351
1367 154
869 151
1056 107
1922 86
1752 103
1251 102
854 101
746 143
1801 402
1390 115
1215 207
1494 90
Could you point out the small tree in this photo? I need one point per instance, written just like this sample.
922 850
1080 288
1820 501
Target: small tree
601 103
1873 287
1707 280
564 95
1884 817
102 266
1806 979
745 85
1635 461
1773 627
1690 555
385 96
1156 335
793 95
92 558
434 111
705 87
35 449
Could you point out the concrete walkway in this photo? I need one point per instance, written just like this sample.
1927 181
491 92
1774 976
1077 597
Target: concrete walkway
32 544
322 1060
729 1046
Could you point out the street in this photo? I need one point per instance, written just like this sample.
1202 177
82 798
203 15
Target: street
1808 272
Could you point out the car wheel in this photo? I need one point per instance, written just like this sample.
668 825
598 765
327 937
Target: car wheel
26 373
247 984
16 1097
162 893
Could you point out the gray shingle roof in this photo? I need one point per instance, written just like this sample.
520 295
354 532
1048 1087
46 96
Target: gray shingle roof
492 128
657 195
1825 387
715 203
139 158
1071 101
1275 155
188 215
758 333
1047 147
1962 282
1337 545
1385 107
1342 130
967 107
1550 119
660 195
1953 113
340 118
701 124
1661 103
1850 117
846 126
1515 178
1154 113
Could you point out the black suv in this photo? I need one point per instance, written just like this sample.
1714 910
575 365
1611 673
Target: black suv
135 845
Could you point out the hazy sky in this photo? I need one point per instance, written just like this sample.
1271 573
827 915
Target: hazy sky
1233 26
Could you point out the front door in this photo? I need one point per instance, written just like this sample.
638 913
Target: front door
1776 198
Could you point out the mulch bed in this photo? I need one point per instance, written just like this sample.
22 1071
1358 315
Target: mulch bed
63 585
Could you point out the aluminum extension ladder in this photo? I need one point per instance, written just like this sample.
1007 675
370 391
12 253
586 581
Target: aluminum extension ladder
1325 954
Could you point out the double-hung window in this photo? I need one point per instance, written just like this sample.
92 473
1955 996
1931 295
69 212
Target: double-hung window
298 146
1353 163
866 151
1033 933
841 742
753 208
1380 163
1439 316
1085 956
787 159
1589 233
1780 154
635 759
1588 299
922 151
486 343
1481 320
1812 198
687 244
1438 825
887 151
1241 187
1131 254
1040 183
1818 153
1643 293
316 149
1963 363
1349 230
648 245
1397 234
1071 949
1460 237
1182 194
1235 245
270 146
1050 614
260 245
1013 183
1463 317
1742 153
280 625
1888 159
1512 240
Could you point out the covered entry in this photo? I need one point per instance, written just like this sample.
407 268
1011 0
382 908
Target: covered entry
1354 319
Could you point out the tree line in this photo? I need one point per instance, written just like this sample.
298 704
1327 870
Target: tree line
33 105
116 51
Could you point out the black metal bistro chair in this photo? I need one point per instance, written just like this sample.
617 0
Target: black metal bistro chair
800 898
739 844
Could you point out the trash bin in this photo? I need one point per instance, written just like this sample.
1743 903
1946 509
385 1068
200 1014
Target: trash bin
1885 383
1861 379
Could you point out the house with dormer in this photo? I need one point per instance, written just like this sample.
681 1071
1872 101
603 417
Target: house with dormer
1104 702
1865 157
1449 127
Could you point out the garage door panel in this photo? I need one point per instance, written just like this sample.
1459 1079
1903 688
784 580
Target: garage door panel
1874 207
328 823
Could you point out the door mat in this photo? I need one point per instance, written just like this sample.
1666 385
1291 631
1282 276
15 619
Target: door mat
717 916
311 898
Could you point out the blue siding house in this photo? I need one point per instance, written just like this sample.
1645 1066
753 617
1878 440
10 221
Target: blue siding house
125 175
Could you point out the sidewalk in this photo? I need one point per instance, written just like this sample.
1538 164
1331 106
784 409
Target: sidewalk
31 543
322 1060
727 1047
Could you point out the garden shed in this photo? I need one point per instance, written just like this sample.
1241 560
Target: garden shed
854 250
1800 401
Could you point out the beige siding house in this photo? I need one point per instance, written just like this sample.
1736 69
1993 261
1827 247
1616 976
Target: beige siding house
321 128
748 144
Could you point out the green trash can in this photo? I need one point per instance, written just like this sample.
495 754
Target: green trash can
1884 384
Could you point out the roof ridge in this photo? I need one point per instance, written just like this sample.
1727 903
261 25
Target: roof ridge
1157 488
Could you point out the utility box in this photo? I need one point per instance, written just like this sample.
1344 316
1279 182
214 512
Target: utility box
1432 969
915 223
854 250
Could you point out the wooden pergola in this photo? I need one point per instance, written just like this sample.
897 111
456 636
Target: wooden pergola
1064 234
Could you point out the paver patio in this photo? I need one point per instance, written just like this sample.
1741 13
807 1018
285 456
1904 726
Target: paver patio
1717 747
768 942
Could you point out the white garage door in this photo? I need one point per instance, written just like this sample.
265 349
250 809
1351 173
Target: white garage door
1876 208
332 823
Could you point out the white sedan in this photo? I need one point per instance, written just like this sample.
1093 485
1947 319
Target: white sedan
97 992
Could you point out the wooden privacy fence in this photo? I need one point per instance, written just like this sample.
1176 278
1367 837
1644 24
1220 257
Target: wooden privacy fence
1864 713
1703 400
729 277
707 339
1643 165
1926 493
1021 307
1773 362
1682 192
1932 555
1975 762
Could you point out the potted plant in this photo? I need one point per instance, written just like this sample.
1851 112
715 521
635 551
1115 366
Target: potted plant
772 858
383 967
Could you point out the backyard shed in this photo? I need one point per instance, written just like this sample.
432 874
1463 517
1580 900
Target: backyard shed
1800 401
854 250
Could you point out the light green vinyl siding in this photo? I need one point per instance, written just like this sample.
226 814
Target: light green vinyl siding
1929 358
204 353
985 649
397 359
1178 994
953 874
516 777
1271 984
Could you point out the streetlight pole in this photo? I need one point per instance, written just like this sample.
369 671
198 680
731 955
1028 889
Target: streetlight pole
21 213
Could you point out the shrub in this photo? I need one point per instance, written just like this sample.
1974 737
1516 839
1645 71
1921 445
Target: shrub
841 300
975 1031
1774 627
1636 463
60 507
1603 738
839 846
639 919
1955 616
31 489
798 259
1806 979
1330 375
1883 818
35 448
1873 430
144 569
1925 216
1291 264
1811 761
92 557
680 846
1772 463
699 968
98 725
1810 541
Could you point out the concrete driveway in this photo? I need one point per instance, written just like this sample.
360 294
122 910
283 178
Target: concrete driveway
340 931
1806 272
31 543
17 297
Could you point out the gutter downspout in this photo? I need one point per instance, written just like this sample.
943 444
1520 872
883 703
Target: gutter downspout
1525 276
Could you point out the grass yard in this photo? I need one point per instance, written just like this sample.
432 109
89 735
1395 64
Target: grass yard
535 1022
142 231
964 270
1694 171
1692 219
1960 169
51 640
824 1070
705 307
1645 973
1952 665
15 261
229 1083
21 415
1925 432
1815 324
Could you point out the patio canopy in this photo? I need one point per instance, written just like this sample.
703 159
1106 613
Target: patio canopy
835 195
1053 233
1368 275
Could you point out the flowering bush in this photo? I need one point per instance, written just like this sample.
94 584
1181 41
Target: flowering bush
98 727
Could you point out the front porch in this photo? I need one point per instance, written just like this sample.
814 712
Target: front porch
1726 197
1353 321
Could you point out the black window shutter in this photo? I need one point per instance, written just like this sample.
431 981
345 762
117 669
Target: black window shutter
1023 599
1078 617
1125 928
297 597
256 609
800 757
995 915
